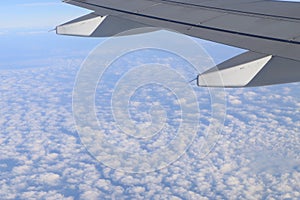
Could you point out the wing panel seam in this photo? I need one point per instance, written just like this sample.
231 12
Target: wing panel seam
192 25
229 10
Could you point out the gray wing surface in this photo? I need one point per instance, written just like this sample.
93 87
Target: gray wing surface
270 30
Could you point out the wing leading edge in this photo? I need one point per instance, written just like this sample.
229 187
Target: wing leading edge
269 30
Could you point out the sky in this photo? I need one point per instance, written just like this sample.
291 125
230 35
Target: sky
27 24
37 14
27 37
43 154
18 14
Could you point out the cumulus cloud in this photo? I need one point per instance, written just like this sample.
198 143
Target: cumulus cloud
51 179
42 156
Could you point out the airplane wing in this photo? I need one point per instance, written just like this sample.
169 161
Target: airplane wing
270 30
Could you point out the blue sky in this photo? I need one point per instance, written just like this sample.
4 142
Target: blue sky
24 33
36 14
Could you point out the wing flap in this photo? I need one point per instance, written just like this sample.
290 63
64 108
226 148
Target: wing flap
82 26
233 73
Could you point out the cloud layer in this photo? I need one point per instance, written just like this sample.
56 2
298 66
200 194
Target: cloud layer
256 157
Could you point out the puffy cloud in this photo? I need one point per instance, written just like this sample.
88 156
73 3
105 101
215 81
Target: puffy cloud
42 156
49 179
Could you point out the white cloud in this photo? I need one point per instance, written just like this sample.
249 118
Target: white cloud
90 194
253 159
235 102
23 169
33 32
50 179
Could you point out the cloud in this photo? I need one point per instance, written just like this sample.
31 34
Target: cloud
254 158
51 179
235 101
32 32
